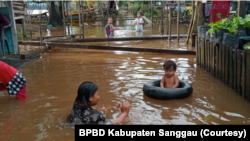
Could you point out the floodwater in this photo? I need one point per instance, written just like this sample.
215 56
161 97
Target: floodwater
53 81
125 28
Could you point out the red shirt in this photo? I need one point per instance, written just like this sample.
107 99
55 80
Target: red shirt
7 73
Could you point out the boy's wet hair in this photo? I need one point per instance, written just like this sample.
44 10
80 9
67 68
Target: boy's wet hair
110 18
168 64
139 13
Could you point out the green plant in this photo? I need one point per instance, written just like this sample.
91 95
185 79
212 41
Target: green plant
247 46
224 24
247 21
239 22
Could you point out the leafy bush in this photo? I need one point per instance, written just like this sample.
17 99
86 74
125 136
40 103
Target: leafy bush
247 46
231 25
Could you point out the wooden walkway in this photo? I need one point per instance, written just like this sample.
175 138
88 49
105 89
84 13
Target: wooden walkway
158 37
98 47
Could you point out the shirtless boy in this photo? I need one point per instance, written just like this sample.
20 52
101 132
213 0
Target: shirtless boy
170 79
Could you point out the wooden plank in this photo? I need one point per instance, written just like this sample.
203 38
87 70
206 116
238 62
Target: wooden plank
169 25
18 7
213 57
217 61
18 12
133 49
230 67
197 51
226 66
205 54
19 17
243 76
178 21
234 69
238 71
208 56
247 55
33 53
241 12
18 4
202 52
223 63
120 39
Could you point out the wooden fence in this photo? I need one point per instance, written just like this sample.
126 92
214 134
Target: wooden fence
231 66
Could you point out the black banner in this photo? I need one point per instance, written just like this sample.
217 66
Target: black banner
165 131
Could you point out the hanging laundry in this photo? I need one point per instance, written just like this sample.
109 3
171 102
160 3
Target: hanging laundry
182 9
219 10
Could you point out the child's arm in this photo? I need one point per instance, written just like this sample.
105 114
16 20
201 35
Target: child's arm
142 22
109 107
135 22
176 80
162 82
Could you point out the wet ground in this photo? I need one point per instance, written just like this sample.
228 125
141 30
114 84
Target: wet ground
54 79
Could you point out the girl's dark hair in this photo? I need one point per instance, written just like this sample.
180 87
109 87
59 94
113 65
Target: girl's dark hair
86 90
168 64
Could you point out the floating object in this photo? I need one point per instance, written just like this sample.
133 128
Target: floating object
152 89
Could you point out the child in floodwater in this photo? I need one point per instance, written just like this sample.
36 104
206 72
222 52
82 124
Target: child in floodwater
109 29
138 22
12 81
83 111
170 79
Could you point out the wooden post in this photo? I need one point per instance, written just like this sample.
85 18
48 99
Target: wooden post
169 24
13 27
238 71
79 15
82 21
178 22
247 90
162 29
223 64
243 78
226 65
40 26
102 10
167 20
152 7
70 17
63 14
241 8
197 51
231 67
191 22
194 25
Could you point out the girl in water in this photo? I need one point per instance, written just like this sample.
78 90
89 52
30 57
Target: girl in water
82 111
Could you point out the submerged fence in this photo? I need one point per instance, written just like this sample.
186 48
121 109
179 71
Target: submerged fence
230 65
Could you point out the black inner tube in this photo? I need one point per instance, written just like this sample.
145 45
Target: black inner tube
152 89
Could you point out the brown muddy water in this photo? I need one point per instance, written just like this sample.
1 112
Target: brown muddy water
126 28
53 80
